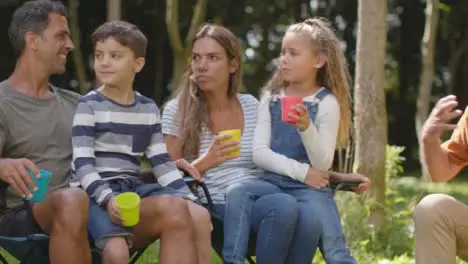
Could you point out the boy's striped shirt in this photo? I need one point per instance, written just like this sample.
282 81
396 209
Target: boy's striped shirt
109 139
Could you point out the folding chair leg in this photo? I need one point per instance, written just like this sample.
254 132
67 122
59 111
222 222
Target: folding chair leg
250 260
137 255
2 259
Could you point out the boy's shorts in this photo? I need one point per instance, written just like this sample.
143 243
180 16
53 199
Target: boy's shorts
101 228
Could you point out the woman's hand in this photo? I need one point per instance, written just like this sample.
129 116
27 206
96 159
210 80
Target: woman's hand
218 152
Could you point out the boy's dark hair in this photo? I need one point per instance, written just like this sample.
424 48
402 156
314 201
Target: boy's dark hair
123 32
32 16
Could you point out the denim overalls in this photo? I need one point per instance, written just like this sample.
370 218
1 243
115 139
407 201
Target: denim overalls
318 221
285 140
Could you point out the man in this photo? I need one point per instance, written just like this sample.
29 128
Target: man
442 221
35 133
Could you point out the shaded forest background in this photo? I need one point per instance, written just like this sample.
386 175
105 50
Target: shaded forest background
260 25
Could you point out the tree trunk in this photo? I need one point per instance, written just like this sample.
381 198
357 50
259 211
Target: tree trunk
369 95
80 66
427 69
114 10
181 50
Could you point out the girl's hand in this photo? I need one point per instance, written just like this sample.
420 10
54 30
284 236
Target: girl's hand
300 115
362 187
317 179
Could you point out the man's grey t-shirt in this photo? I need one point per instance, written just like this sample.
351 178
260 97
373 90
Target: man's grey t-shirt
39 130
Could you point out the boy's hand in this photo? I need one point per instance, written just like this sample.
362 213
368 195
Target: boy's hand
182 164
301 119
113 211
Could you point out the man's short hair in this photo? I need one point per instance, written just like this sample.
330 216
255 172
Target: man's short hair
32 16
124 33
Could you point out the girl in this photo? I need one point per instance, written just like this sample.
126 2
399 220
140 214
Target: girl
312 67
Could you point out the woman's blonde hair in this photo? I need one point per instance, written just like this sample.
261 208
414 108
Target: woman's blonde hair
192 110
333 75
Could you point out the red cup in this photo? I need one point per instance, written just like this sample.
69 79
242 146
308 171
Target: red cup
287 103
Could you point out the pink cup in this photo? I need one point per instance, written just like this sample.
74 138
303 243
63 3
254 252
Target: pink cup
287 102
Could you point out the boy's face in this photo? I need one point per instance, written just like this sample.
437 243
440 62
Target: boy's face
115 64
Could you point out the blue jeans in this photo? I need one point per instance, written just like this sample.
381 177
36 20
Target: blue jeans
273 217
318 222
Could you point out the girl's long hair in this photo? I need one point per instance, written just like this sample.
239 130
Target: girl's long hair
333 75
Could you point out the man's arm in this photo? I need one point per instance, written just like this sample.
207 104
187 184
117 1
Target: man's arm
436 159
84 160
14 171
444 161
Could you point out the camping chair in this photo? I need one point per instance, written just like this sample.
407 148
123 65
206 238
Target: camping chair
217 235
34 248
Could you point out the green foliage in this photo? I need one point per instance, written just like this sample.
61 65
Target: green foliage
393 242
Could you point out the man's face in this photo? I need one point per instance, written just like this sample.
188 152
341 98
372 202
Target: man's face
54 44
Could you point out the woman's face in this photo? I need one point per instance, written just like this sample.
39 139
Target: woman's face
210 65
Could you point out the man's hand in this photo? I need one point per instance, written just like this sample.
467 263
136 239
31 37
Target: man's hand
15 173
113 211
439 119
184 165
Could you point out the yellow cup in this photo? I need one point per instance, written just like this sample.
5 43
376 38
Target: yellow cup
236 135
129 208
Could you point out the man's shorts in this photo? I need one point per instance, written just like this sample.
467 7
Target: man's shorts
18 222
101 228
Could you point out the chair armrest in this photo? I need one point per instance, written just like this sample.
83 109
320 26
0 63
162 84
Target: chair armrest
38 237
147 176
345 185
192 182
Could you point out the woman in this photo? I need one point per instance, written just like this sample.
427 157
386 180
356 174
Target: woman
207 102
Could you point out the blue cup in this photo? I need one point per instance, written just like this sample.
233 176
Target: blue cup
42 184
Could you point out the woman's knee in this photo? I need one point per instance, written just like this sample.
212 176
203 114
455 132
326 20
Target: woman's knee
432 206
254 187
238 189
282 206
116 251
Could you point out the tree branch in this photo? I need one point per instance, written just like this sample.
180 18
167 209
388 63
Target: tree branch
172 23
197 18
80 66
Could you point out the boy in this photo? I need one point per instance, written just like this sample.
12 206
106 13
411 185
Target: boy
113 128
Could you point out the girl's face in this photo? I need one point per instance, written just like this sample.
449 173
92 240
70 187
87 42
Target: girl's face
298 60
